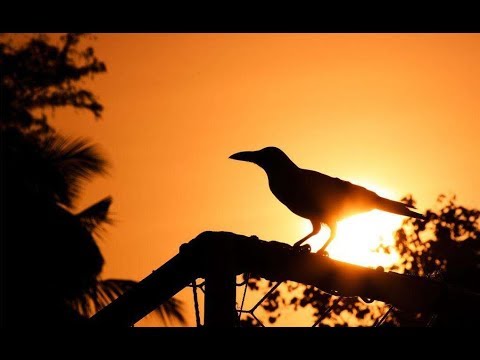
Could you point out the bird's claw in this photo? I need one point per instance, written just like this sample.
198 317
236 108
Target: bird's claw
303 249
323 253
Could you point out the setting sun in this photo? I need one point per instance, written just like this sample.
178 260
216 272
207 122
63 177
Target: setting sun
358 236
124 148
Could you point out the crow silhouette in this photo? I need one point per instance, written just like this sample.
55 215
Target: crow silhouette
317 197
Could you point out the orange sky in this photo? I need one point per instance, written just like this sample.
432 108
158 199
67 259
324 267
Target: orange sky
396 111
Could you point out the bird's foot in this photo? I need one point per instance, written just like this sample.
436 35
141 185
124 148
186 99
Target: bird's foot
323 253
303 249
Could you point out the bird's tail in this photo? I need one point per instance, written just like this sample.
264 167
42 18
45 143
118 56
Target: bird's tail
397 207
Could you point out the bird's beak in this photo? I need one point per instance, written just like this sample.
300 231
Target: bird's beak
244 156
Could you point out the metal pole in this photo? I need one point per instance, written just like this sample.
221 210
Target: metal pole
152 291
220 299
221 267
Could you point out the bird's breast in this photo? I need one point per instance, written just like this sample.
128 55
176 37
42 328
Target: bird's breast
295 196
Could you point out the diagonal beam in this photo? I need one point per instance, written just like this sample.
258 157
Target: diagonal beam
219 256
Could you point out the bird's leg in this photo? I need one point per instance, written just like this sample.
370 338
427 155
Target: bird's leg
316 229
333 232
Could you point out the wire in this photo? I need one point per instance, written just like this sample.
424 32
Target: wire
326 312
195 301
382 318
247 277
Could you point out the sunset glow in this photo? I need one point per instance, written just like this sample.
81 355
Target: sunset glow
358 236
396 113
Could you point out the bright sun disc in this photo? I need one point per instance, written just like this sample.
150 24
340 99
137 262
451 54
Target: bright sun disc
358 236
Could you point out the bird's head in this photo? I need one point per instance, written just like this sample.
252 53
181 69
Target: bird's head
267 158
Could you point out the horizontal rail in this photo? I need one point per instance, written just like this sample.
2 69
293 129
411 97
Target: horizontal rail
214 251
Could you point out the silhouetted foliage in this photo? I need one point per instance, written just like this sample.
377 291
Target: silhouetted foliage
56 247
448 240
39 74
53 261
446 247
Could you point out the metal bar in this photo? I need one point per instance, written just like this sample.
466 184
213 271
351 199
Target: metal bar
269 292
326 312
277 262
149 293
195 302
382 318
219 256
220 296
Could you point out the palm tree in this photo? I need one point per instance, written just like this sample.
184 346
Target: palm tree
53 264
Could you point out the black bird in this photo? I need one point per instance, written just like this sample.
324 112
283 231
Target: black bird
315 196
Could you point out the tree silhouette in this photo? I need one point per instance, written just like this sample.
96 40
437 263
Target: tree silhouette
53 264
38 74
446 246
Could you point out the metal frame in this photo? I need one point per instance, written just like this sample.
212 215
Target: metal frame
220 256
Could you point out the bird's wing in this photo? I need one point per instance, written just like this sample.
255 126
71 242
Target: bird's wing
339 196
321 182
342 198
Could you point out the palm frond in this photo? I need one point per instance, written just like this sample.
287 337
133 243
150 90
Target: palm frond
171 310
108 290
74 162
96 215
